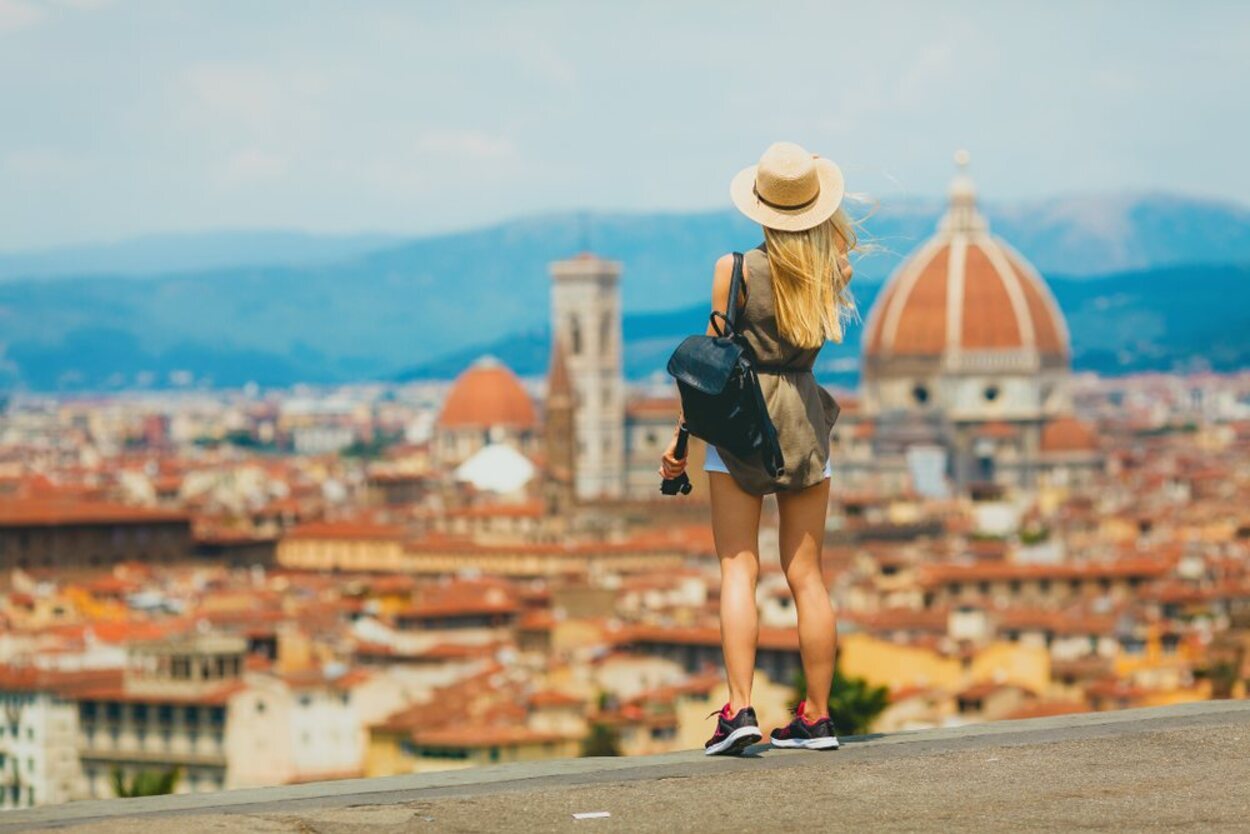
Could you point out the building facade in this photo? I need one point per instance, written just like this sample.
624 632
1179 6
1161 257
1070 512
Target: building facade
966 360
586 322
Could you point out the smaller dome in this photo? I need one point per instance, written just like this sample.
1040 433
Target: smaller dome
1068 434
488 394
496 467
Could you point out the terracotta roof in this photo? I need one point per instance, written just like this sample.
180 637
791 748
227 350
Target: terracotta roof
552 698
484 736
487 394
55 512
659 407
997 430
1003 571
213 697
347 530
31 679
1067 434
783 639
1046 709
977 691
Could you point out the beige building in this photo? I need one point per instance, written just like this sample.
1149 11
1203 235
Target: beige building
189 704
170 709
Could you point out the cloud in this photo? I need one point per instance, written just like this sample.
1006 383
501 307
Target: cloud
18 14
469 145
232 92
250 166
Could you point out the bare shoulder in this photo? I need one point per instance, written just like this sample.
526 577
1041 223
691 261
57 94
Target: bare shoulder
722 275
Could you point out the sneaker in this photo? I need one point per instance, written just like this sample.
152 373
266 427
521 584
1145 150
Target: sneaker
734 733
808 735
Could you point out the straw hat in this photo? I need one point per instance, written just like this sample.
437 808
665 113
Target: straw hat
790 189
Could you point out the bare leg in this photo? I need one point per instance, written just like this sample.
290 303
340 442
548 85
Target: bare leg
801 536
736 527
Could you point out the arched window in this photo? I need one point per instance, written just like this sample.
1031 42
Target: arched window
575 336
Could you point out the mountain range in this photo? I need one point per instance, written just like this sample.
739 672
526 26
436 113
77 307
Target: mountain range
277 308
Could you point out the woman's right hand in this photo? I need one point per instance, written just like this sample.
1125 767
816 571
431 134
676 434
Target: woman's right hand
670 466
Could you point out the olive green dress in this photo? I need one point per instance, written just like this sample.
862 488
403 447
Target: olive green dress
801 409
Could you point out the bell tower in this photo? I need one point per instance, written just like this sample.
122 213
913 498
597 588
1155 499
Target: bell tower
586 323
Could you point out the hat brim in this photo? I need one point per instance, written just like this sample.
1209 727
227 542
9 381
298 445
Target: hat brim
832 190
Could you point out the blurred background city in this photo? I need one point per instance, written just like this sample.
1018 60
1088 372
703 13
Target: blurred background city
332 340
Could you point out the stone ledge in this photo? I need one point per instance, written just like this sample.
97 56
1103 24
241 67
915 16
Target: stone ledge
290 803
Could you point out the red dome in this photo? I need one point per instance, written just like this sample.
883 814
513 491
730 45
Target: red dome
488 394
964 290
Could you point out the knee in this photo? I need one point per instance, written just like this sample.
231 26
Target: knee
805 582
742 567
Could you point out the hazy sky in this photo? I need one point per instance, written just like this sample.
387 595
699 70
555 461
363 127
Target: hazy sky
122 117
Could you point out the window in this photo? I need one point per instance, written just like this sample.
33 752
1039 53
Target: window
920 394
575 336
990 393
165 714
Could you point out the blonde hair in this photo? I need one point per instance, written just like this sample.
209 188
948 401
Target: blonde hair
810 290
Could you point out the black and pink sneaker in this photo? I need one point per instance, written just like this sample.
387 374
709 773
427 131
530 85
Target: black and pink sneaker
734 733
804 734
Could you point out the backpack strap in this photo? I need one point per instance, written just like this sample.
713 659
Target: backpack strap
735 287
731 304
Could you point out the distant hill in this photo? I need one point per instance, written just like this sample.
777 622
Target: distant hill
166 254
1172 319
428 304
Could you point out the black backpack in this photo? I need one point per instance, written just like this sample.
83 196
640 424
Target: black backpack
721 399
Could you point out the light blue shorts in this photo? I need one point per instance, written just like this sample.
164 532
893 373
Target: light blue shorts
713 463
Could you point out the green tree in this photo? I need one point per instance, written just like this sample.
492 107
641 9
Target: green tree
853 702
602 740
146 782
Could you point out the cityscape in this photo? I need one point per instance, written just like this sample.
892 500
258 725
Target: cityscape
346 350
225 588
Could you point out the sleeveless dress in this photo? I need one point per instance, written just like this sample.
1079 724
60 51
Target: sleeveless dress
801 409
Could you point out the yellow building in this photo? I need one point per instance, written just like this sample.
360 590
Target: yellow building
901 667
396 748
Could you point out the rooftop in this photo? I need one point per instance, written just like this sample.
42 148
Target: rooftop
1166 767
